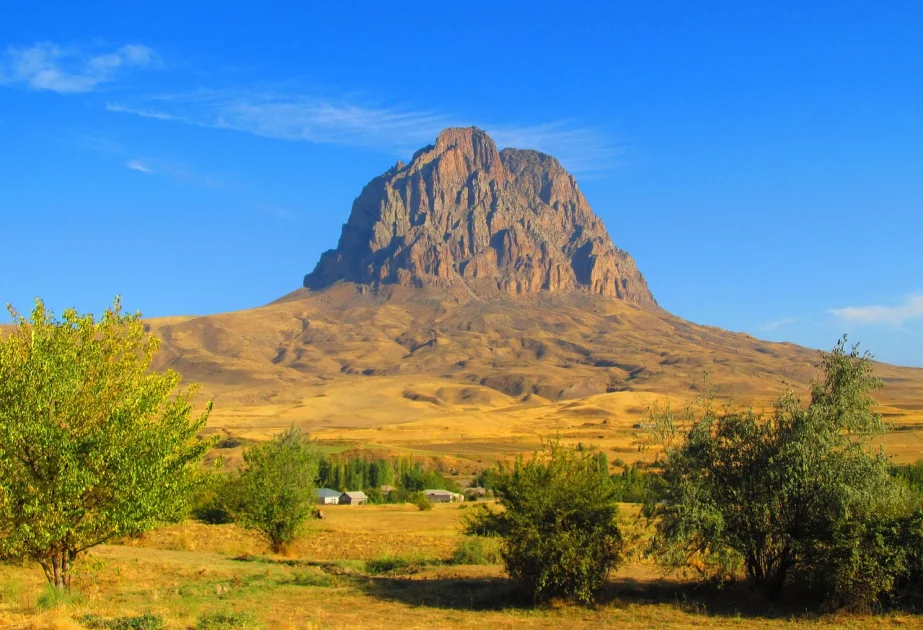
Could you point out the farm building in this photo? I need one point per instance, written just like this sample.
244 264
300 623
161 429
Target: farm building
386 490
353 498
443 496
326 496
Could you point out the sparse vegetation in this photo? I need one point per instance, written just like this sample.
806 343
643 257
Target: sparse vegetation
225 620
147 621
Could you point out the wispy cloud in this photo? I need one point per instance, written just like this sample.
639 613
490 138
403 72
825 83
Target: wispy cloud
47 66
399 130
138 165
277 212
896 315
778 323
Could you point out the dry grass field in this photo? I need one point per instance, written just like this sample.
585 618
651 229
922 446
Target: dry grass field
182 573
470 380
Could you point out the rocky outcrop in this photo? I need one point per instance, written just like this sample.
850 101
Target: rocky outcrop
463 213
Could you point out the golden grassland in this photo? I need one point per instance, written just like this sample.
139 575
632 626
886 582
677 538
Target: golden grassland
180 572
431 373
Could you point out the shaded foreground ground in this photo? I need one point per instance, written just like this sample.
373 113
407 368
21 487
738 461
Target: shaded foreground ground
181 572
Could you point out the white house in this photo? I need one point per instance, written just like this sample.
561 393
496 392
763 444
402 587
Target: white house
443 496
326 496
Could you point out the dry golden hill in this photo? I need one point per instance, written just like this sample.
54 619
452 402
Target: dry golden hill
473 304
446 373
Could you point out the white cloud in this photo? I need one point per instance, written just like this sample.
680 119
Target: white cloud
46 66
277 212
138 165
142 112
394 129
778 323
896 316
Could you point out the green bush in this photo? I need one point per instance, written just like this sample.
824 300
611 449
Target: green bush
210 504
803 495
274 494
560 537
225 620
421 501
147 621
375 496
478 550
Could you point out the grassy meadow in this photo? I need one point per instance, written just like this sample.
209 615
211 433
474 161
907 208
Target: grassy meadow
368 566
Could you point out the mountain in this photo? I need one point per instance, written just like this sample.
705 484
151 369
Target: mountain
474 303
463 213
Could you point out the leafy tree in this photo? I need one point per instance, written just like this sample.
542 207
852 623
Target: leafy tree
799 493
275 494
94 444
633 485
558 524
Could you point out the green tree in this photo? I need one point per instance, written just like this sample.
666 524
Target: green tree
275 494
94 444
800 493
558 524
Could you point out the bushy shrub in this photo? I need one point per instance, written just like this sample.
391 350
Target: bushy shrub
420 500
375 496
802 495
560 537
210 504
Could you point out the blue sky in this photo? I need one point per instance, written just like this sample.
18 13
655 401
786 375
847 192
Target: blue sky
761 161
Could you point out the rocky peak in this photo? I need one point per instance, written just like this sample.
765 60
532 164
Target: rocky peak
463 213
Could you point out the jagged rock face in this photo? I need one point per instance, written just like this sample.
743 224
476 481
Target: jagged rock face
463 213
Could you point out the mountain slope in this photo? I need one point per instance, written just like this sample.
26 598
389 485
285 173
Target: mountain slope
474 301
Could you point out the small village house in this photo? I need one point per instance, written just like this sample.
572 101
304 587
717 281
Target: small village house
353 498
326 496
443 496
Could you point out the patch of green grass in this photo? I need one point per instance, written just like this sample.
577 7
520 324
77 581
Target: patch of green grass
477 550
52 598
225 620
308 578
10 590
147 621
394 564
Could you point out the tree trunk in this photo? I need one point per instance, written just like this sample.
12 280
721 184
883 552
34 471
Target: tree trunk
57 567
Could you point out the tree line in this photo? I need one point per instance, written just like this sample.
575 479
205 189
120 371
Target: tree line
403 473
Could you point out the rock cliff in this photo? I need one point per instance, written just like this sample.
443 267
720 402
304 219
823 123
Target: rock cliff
463 213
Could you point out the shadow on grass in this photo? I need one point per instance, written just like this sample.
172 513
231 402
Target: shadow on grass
497 593
454 593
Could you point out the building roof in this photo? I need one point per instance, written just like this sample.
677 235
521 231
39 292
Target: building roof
327 493
387 489
356 494
441 493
